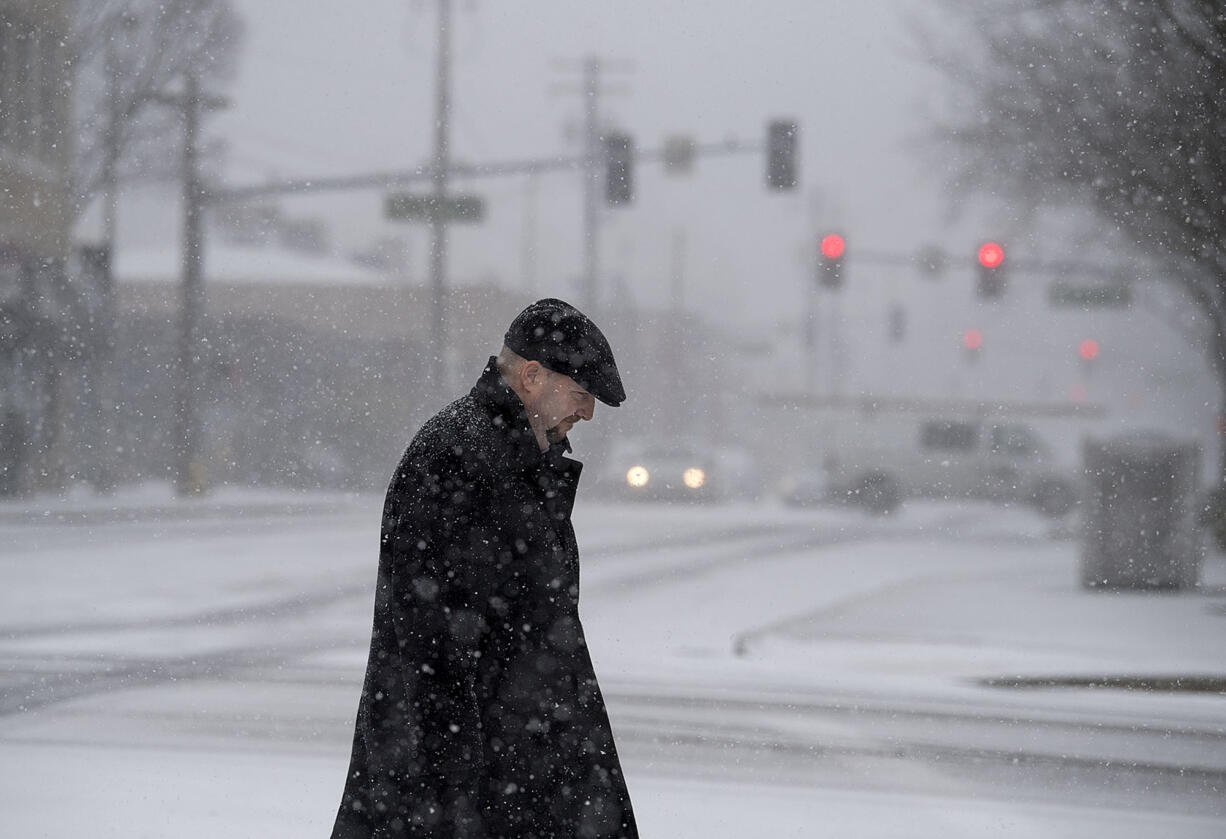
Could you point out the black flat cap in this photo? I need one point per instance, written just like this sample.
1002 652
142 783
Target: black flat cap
566 341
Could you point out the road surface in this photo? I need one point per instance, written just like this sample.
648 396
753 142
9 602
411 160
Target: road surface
174 671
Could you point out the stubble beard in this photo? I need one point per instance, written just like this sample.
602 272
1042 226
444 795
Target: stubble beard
555 434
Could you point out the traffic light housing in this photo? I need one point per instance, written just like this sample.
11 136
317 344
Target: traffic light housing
619 168
830 260
972 344
991 259
781 135
1087 351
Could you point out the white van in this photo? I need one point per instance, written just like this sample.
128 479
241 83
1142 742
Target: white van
910 455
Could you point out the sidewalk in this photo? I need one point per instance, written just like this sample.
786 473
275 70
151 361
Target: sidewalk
156 500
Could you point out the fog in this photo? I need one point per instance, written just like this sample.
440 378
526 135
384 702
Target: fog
219 374
319 93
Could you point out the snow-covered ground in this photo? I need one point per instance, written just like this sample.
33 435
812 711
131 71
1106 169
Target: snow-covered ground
172 668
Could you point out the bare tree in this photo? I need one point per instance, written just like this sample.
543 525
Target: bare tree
127 53
1116 103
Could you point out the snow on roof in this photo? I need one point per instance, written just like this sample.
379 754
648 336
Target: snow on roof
239 264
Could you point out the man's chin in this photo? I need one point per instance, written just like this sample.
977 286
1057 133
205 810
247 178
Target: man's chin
556 434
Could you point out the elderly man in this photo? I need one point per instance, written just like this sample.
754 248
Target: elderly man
480 714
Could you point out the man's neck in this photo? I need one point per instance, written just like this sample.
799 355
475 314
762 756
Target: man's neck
534 420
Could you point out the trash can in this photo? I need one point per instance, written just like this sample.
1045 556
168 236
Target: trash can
1140 513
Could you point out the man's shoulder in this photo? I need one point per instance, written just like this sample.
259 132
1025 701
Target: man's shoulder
458 435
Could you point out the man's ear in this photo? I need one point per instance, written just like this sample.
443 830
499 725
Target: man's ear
532 377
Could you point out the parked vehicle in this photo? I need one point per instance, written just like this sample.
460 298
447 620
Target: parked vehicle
943 457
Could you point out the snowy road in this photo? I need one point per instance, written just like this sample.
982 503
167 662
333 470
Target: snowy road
809 673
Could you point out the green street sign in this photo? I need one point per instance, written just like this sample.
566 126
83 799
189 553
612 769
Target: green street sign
1108 295
406 206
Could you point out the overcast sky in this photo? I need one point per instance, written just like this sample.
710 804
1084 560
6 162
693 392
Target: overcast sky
328 88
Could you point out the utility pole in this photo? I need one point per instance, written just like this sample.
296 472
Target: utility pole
110 159
678 275
101 363
677 348
438 222
190 481
190 478
528 242
592 90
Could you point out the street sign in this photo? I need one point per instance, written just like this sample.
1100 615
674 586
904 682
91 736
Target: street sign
1105 295
405 206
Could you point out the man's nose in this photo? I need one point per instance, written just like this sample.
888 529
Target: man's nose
588 411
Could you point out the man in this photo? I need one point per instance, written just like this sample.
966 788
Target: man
480 714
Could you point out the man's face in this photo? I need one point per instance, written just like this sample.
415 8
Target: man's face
561 404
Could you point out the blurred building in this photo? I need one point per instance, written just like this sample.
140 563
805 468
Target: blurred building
35 216
315 372
316 367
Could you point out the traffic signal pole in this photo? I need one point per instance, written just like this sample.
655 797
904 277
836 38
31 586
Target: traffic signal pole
457 171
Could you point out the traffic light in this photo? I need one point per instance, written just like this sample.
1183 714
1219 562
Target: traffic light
1087 351
781 154
991 270
972 344
619 168
830 261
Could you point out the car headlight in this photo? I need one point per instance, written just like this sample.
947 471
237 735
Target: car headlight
694 478
637 477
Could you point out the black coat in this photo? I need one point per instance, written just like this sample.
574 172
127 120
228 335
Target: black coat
480 714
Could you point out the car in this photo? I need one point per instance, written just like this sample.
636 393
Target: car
668 472
678 471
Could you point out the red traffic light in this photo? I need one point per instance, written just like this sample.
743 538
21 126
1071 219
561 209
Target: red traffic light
972 339
991 255
833 246
1088 349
